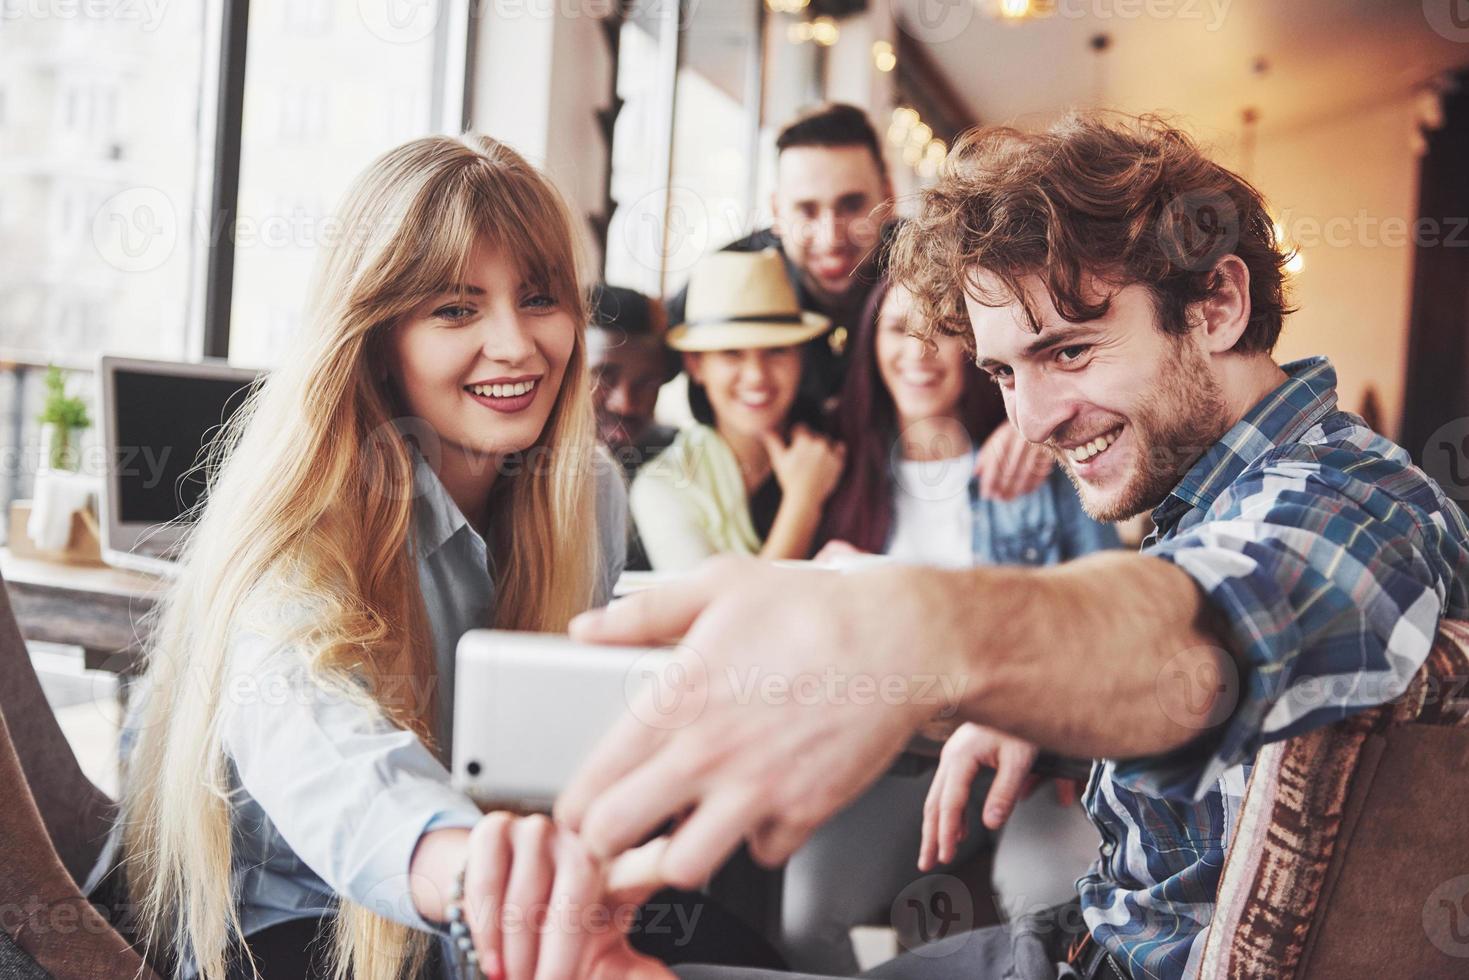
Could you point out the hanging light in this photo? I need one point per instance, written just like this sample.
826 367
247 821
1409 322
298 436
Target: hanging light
824 31
883 57
1014 9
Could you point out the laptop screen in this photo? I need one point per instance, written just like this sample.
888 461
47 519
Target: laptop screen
164 424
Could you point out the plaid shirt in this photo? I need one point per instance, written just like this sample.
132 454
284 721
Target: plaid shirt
1330 558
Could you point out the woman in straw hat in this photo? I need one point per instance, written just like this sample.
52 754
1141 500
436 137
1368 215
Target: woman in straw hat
753 475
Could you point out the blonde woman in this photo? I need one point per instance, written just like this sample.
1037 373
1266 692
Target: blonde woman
423 463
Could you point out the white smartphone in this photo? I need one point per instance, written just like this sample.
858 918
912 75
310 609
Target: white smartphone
530 707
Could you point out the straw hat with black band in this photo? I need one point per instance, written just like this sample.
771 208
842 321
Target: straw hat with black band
743 300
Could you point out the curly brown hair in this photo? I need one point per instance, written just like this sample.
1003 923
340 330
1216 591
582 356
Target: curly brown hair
1120 199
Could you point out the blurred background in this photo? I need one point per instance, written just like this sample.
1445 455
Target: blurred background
168 168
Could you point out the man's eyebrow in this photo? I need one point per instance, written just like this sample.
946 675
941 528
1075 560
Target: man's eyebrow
1057 335
1049 337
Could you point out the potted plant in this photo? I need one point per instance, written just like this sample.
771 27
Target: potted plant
62 416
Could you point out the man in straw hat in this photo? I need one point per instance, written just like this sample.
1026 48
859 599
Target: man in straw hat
1126 293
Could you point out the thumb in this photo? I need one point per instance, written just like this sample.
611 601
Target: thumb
632 877
774 444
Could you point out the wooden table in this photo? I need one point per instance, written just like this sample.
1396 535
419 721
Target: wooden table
97 608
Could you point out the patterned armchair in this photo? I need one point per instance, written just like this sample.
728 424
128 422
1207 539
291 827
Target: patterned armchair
1351 855
52 820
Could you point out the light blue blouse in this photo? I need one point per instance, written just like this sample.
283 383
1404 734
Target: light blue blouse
330 798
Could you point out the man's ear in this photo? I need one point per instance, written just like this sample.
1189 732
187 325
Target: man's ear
1220 319
775 213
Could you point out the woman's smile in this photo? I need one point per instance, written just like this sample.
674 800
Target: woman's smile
505 394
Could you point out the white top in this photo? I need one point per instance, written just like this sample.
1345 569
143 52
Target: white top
933 521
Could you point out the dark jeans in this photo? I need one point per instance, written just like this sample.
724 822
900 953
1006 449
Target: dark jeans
1030 948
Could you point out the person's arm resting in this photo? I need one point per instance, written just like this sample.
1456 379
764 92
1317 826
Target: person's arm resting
349 792
1272 620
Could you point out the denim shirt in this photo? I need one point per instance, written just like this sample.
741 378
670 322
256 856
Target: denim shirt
1044 527
328 797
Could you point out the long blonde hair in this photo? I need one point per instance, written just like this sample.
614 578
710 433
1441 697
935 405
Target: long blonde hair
310 499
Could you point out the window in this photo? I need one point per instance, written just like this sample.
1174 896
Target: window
323 96
101 200
671 210
106 172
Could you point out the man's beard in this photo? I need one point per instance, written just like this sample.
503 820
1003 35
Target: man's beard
1180 418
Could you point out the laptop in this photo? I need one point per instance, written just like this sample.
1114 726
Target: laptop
159 418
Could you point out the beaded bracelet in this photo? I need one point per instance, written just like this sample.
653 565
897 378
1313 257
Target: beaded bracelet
466 959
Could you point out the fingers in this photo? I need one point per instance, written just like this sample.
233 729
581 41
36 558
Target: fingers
647 618
532 873
774 843
775 446
630 744
485 874
638 802
578 887
836 549
1068 791
709 836
1014 766
635 875
928 846
953 800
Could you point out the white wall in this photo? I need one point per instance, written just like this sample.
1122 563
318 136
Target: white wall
539 79
1346 188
